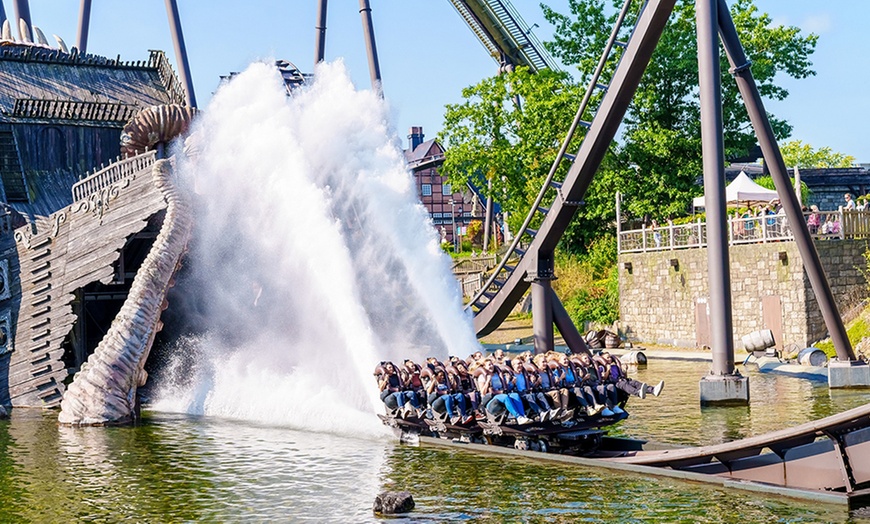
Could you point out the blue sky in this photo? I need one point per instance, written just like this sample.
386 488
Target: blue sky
428 55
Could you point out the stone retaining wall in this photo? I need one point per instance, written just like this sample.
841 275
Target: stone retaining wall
663 295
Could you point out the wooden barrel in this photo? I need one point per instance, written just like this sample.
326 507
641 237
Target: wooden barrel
611 340
593 340
758 340
812 357
634 357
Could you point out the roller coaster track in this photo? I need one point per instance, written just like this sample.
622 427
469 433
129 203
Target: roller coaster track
504 34
507 284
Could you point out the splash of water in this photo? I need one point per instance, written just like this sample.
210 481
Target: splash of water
313 261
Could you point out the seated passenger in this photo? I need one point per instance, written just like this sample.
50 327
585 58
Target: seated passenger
433 363
549 386
605 392
585 385
477 356
441 398
523 384
393 392
412 377
460 399
494 396
466 386
572 378
616 374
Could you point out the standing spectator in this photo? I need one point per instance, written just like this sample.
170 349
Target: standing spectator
657 235
813 220
850 204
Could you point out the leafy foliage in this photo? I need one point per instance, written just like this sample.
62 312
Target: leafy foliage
491 138
588 284
662 128
657 162
797 154
766 181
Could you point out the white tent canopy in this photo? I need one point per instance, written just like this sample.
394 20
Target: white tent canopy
742 190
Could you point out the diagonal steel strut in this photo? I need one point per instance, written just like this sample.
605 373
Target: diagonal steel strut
604 126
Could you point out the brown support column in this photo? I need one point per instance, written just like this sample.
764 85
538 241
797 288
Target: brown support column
320 28
723 385
573 338
740 68
180 51
365 12
84 25
542 308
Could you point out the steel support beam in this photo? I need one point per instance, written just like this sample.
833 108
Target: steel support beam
542 303
84 25
773 159
595 144
22 12
365 12
487 225
573 338
542 315
713 152
320 29
180 51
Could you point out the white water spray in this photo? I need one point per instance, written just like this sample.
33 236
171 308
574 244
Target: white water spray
313 260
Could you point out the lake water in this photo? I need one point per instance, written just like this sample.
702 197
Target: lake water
174 468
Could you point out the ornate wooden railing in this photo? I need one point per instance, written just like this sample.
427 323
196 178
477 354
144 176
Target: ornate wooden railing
30 53
113 173
168 77
72 110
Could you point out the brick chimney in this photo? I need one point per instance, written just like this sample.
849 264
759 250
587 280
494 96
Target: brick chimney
415 137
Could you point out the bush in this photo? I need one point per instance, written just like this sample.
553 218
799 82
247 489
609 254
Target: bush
588 284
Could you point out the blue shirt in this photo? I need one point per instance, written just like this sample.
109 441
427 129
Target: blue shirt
522 386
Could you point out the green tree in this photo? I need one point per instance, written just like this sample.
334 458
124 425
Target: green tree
489 137
656 162
766 181
661 133
797 154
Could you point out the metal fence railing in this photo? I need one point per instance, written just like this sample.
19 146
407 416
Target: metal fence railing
840 224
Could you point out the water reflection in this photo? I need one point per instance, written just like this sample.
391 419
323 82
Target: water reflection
461 486
179 468
777 402
174 468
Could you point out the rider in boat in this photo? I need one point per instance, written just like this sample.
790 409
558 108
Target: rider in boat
606 393
572 378
475 359
442 398
548 385
494 394
456 393
466 385
414 381
523 383
615 372
393 392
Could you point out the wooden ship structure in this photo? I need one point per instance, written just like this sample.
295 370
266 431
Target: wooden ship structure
80 214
